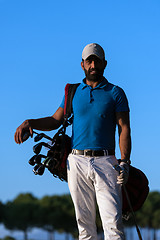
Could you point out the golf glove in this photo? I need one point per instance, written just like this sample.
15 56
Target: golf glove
124 173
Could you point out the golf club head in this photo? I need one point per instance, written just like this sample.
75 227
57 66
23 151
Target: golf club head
31 160
35 169
40 136
40 170
38 158
37 148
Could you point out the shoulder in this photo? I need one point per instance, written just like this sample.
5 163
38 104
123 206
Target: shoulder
119 97
117 92
113 88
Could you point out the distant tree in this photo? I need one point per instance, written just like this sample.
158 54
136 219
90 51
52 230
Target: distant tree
56 213
1 212
9 238
46 215
20 214
66 214
147 216
156 223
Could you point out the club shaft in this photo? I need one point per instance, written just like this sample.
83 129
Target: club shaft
130 205
45 136
35 132
118 169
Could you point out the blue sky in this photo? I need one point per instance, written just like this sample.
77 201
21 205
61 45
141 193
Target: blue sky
40 51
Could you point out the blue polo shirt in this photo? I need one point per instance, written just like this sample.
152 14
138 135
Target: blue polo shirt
94 109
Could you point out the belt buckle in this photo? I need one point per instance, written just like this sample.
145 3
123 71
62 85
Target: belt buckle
105 152
87 151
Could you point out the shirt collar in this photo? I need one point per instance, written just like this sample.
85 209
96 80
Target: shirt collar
100 85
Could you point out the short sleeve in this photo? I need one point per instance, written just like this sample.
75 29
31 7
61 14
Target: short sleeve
121 102
62 103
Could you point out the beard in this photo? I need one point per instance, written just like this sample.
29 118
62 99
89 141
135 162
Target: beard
96 77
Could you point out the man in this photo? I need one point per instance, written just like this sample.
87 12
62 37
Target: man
97 107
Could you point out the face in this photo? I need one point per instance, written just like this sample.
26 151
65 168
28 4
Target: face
93 68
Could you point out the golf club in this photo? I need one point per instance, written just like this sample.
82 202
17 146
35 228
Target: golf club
31 160
37 148
36 159
46 161
37 138
118 169
26 135
40 136
49 162
39 169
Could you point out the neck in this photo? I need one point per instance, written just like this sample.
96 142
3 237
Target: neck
93 84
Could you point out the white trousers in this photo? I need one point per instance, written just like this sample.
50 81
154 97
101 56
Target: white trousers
92 179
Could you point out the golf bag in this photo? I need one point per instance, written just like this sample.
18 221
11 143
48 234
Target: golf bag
59 146
62 142
57 156
137 189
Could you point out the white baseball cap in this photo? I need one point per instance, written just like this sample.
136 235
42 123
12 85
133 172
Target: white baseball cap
93 49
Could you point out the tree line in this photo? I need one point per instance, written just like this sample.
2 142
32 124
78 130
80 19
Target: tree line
56 213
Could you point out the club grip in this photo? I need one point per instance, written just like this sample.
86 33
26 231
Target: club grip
25 136
117 168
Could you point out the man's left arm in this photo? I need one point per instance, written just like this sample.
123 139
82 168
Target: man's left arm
123 123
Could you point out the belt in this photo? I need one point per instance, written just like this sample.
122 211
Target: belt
93 153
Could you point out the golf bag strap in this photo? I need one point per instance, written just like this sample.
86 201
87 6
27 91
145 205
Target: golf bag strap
70 90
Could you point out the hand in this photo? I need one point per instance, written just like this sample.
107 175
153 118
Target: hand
124 173
21 130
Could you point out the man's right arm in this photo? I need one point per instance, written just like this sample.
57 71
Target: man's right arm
43 124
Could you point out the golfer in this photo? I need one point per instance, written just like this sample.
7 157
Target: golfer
98 106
